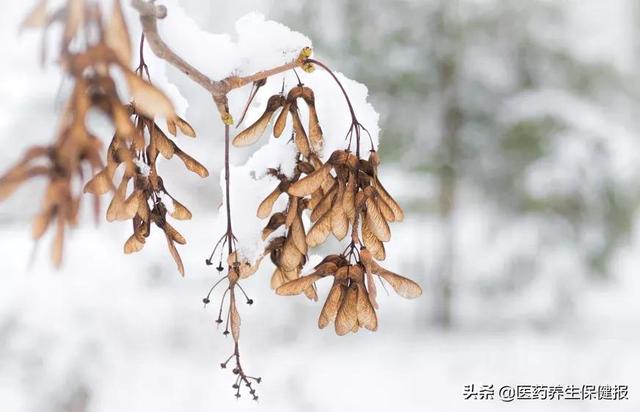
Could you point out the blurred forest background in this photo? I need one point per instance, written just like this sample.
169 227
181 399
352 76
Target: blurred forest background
510 133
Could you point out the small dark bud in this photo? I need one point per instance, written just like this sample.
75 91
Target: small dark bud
206 301
249 301
235 386
258 380
225 333
236 371
220 268
208 262
223 365
218 320
255 397
252 391
237 395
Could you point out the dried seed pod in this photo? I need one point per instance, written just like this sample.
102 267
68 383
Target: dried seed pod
266 206
315 132
252 133
310 183
347 316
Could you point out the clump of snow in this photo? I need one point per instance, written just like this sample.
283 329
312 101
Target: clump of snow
167 201
142 167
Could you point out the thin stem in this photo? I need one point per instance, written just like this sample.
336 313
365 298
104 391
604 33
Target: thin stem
355 124
346 96
227 181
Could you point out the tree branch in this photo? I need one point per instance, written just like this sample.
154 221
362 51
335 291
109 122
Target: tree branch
149 15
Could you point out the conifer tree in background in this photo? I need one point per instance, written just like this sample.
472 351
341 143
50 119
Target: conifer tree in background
495 105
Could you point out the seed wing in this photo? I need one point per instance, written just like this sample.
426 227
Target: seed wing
148 100
310 183
264 210
319 231
117 35
366 314
175 254
404 287
376 222
331 305
297 286
347 316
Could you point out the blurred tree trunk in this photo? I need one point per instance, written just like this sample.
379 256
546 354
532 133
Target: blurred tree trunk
451 122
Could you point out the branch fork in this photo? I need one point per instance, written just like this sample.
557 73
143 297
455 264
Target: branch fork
150 13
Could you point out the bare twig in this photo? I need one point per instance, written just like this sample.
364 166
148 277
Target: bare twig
149 15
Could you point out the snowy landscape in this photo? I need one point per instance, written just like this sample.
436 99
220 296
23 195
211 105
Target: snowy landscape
529 273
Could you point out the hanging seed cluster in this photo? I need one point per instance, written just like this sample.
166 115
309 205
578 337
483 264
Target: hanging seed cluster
76 152
149 201
345 198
